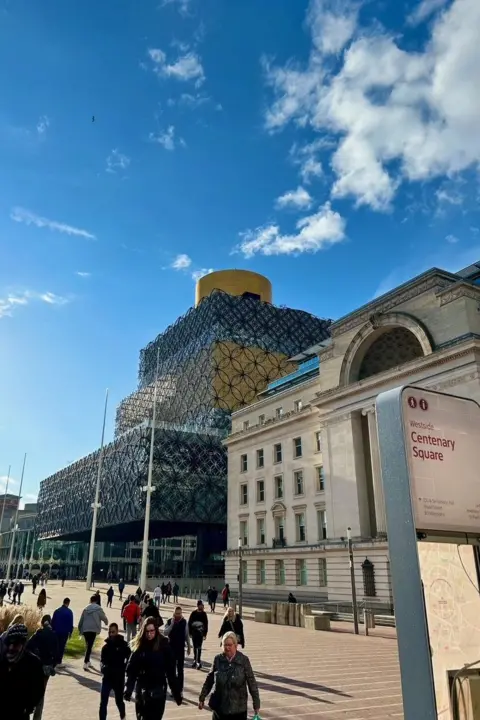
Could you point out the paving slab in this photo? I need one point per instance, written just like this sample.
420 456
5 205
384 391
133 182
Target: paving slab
302 674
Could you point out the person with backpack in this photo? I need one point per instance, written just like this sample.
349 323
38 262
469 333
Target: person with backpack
113 662
226 596
198 630
132 615
44 644
232 622
176 630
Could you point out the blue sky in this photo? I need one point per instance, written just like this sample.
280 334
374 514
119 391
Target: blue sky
331 145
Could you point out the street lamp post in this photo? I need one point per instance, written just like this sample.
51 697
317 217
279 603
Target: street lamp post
149 488
352 580
5 497
14 531
96 504
240 578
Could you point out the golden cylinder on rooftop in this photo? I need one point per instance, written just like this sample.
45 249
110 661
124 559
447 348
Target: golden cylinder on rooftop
234 282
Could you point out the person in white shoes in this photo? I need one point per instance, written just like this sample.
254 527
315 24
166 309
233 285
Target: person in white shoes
90 625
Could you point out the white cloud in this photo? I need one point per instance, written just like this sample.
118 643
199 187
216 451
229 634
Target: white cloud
396 115
12 301
183 6
424 10
450 197
314 233
197 274
186 67
167 139
22 215
117 161
189 100
299 198
181 262
452 239
42 125
83 274
3 483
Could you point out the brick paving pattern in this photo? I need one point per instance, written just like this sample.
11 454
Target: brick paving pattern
301 674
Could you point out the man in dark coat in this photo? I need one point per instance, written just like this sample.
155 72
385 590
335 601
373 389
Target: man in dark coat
198 629
114 657
17 664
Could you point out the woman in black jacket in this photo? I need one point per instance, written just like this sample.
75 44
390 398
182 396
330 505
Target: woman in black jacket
44 644
232 622
150 667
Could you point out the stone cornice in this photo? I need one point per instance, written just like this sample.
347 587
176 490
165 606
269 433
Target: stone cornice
398 373
289 416
437 280
459 290
325 546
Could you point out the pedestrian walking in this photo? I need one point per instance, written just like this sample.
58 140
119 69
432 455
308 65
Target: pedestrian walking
11 585
110 594
212 595
175 591
226 596
169 591
113 662
20 590
90 625
62 625
16 665
3 592
149 669
44 644
98 597
164 592
131 615
63 577
232 622
233 677
15 593
121 588
34 584
198 630
178 635
157 593
151 610
42 599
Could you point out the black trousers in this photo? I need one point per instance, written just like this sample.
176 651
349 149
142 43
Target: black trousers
180 671
237 716
90 638
197 642
148 708
107 687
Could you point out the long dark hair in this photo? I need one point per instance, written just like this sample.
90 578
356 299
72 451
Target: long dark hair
141 642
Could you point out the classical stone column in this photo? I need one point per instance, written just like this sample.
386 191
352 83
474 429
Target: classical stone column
381 520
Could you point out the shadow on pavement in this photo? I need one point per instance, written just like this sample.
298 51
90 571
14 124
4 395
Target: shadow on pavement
301 684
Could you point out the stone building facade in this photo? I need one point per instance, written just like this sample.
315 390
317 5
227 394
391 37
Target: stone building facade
426 333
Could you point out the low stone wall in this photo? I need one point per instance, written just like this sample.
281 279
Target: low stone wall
293 614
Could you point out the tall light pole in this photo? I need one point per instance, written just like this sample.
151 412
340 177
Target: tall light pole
148 488
5 498
240 579
96 504
14 531
352 580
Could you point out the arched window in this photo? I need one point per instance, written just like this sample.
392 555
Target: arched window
394 347
368 571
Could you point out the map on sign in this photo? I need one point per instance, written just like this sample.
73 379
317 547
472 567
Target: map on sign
442 442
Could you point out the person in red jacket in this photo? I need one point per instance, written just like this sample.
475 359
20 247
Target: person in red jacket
131 615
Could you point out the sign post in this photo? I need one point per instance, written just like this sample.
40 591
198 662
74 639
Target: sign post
430 455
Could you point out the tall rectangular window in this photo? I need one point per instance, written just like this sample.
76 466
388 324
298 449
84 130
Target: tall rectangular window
322 572
278 480
279 412
279 572
300 529
244 572
301 572
297 447
243 463
320 478
260 458
297 405
298 486
279 527
318 441
277 453
322 524
244 532
260 572
246 424
244 494
260 491
261 419
260 531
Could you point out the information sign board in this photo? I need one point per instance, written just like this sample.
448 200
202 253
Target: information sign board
442 444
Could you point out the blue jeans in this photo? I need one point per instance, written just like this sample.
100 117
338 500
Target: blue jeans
107 687
62 641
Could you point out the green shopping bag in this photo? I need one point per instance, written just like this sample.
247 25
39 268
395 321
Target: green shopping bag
256 717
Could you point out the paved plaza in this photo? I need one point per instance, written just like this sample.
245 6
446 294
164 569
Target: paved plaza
300 673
